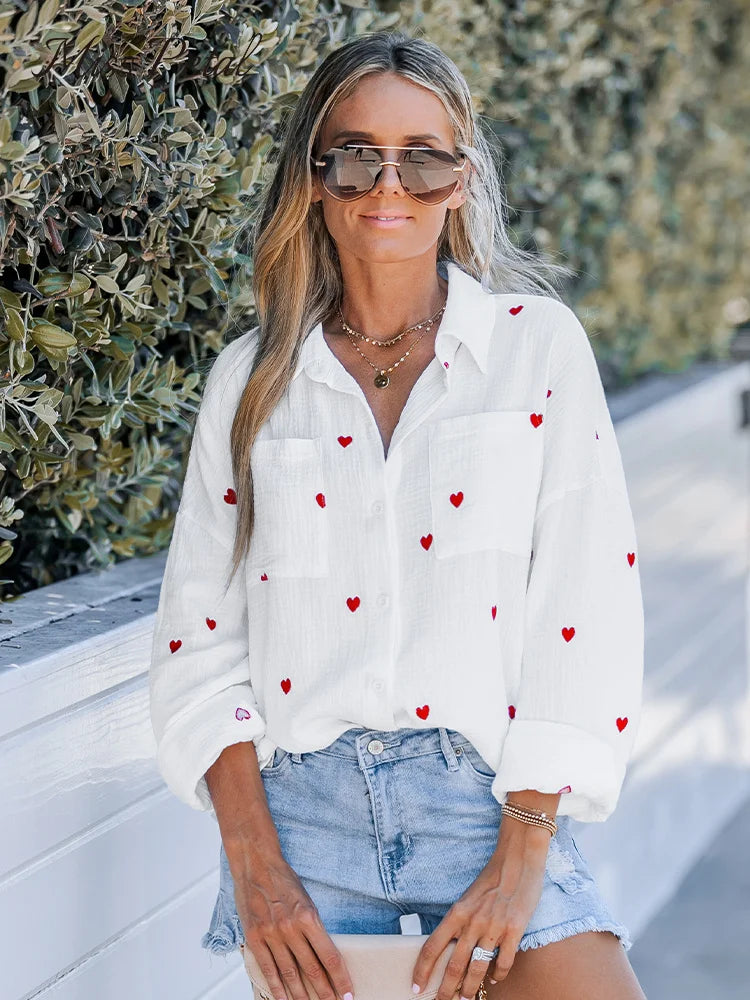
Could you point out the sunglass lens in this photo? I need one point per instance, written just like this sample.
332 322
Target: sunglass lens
349 173
428 175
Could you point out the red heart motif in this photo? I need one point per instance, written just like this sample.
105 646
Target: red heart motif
211 622
174 644
512 711
631 558
446 365
597 435
494 612
456 498
536 418
230 496
320 497
549 393
621 723
563 790
286 685
568 633
264 576
423 712
352 603
515 310
241 713
344 441
426 541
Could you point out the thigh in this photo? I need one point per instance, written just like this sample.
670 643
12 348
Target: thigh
587 966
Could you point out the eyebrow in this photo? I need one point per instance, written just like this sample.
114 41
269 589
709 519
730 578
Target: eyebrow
369 135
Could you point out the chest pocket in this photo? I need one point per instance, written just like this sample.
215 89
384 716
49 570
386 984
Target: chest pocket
291 535
485 471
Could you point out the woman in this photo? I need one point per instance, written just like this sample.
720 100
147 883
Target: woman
400 625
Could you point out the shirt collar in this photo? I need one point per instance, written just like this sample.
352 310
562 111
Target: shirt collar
468 319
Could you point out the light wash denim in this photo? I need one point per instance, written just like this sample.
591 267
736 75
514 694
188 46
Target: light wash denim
374 833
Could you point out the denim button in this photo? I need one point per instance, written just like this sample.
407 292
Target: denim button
376 746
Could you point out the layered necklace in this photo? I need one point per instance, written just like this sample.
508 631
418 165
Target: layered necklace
382 378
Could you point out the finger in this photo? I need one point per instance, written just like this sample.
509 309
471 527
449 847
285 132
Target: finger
506 956
265 959
446 931
456 971
477 969
285 956
331 960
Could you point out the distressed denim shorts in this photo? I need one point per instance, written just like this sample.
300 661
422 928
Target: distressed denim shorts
383 823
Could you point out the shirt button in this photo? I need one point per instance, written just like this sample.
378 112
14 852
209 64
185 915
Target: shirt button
382 600
376 746
377 507
378 685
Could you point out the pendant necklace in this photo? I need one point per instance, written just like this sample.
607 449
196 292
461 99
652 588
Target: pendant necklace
382 378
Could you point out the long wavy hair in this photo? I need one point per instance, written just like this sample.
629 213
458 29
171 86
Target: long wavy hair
297 279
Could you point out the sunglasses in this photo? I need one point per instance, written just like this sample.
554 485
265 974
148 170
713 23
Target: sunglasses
428 175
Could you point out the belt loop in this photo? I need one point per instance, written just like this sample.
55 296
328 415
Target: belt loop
296 757
447 747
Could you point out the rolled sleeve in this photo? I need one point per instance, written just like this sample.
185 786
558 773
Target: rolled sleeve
577 705
201 696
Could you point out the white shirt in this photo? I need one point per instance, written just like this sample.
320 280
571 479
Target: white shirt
483 576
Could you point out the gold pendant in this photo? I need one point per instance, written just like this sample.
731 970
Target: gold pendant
482 991
382 380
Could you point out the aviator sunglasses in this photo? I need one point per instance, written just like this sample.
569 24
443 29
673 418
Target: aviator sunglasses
351 171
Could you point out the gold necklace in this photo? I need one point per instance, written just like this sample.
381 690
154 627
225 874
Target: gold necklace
382 379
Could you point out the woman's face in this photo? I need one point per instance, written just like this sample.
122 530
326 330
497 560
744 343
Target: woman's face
386 110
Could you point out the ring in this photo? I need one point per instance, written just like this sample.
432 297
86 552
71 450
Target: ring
484 954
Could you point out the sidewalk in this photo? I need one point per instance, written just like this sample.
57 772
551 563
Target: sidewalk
698 945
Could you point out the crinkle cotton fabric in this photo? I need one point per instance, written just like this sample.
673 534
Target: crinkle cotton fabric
382 824
480 574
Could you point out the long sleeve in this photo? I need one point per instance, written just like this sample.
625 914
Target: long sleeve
577 704
201 697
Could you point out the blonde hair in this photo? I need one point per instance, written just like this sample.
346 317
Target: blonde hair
297 281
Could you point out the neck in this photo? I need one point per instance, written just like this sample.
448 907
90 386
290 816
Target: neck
382 300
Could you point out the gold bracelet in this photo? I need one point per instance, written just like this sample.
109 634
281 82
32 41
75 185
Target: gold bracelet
531 816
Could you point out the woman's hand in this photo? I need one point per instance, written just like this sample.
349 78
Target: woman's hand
283 929
494 910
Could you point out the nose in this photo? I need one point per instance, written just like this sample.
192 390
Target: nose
388 179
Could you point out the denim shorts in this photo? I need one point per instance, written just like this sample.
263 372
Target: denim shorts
382 823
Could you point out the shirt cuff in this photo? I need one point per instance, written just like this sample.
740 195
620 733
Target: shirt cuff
195 740
550 756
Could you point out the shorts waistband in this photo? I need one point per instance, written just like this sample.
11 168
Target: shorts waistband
376 746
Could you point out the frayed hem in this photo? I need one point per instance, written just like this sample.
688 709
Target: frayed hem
225 933
537 939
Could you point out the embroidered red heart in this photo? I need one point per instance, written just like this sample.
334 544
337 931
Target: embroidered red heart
456 498
631 558
512 711
352 603
621 723
564 790
536 418
494 612
320 497
426 541
286 685
446 365
549 393
423 712
568 633
344 441
174 644
241 713
515 310
230 496
264 576
211 622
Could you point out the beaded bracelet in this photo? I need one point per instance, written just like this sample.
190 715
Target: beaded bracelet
531 816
